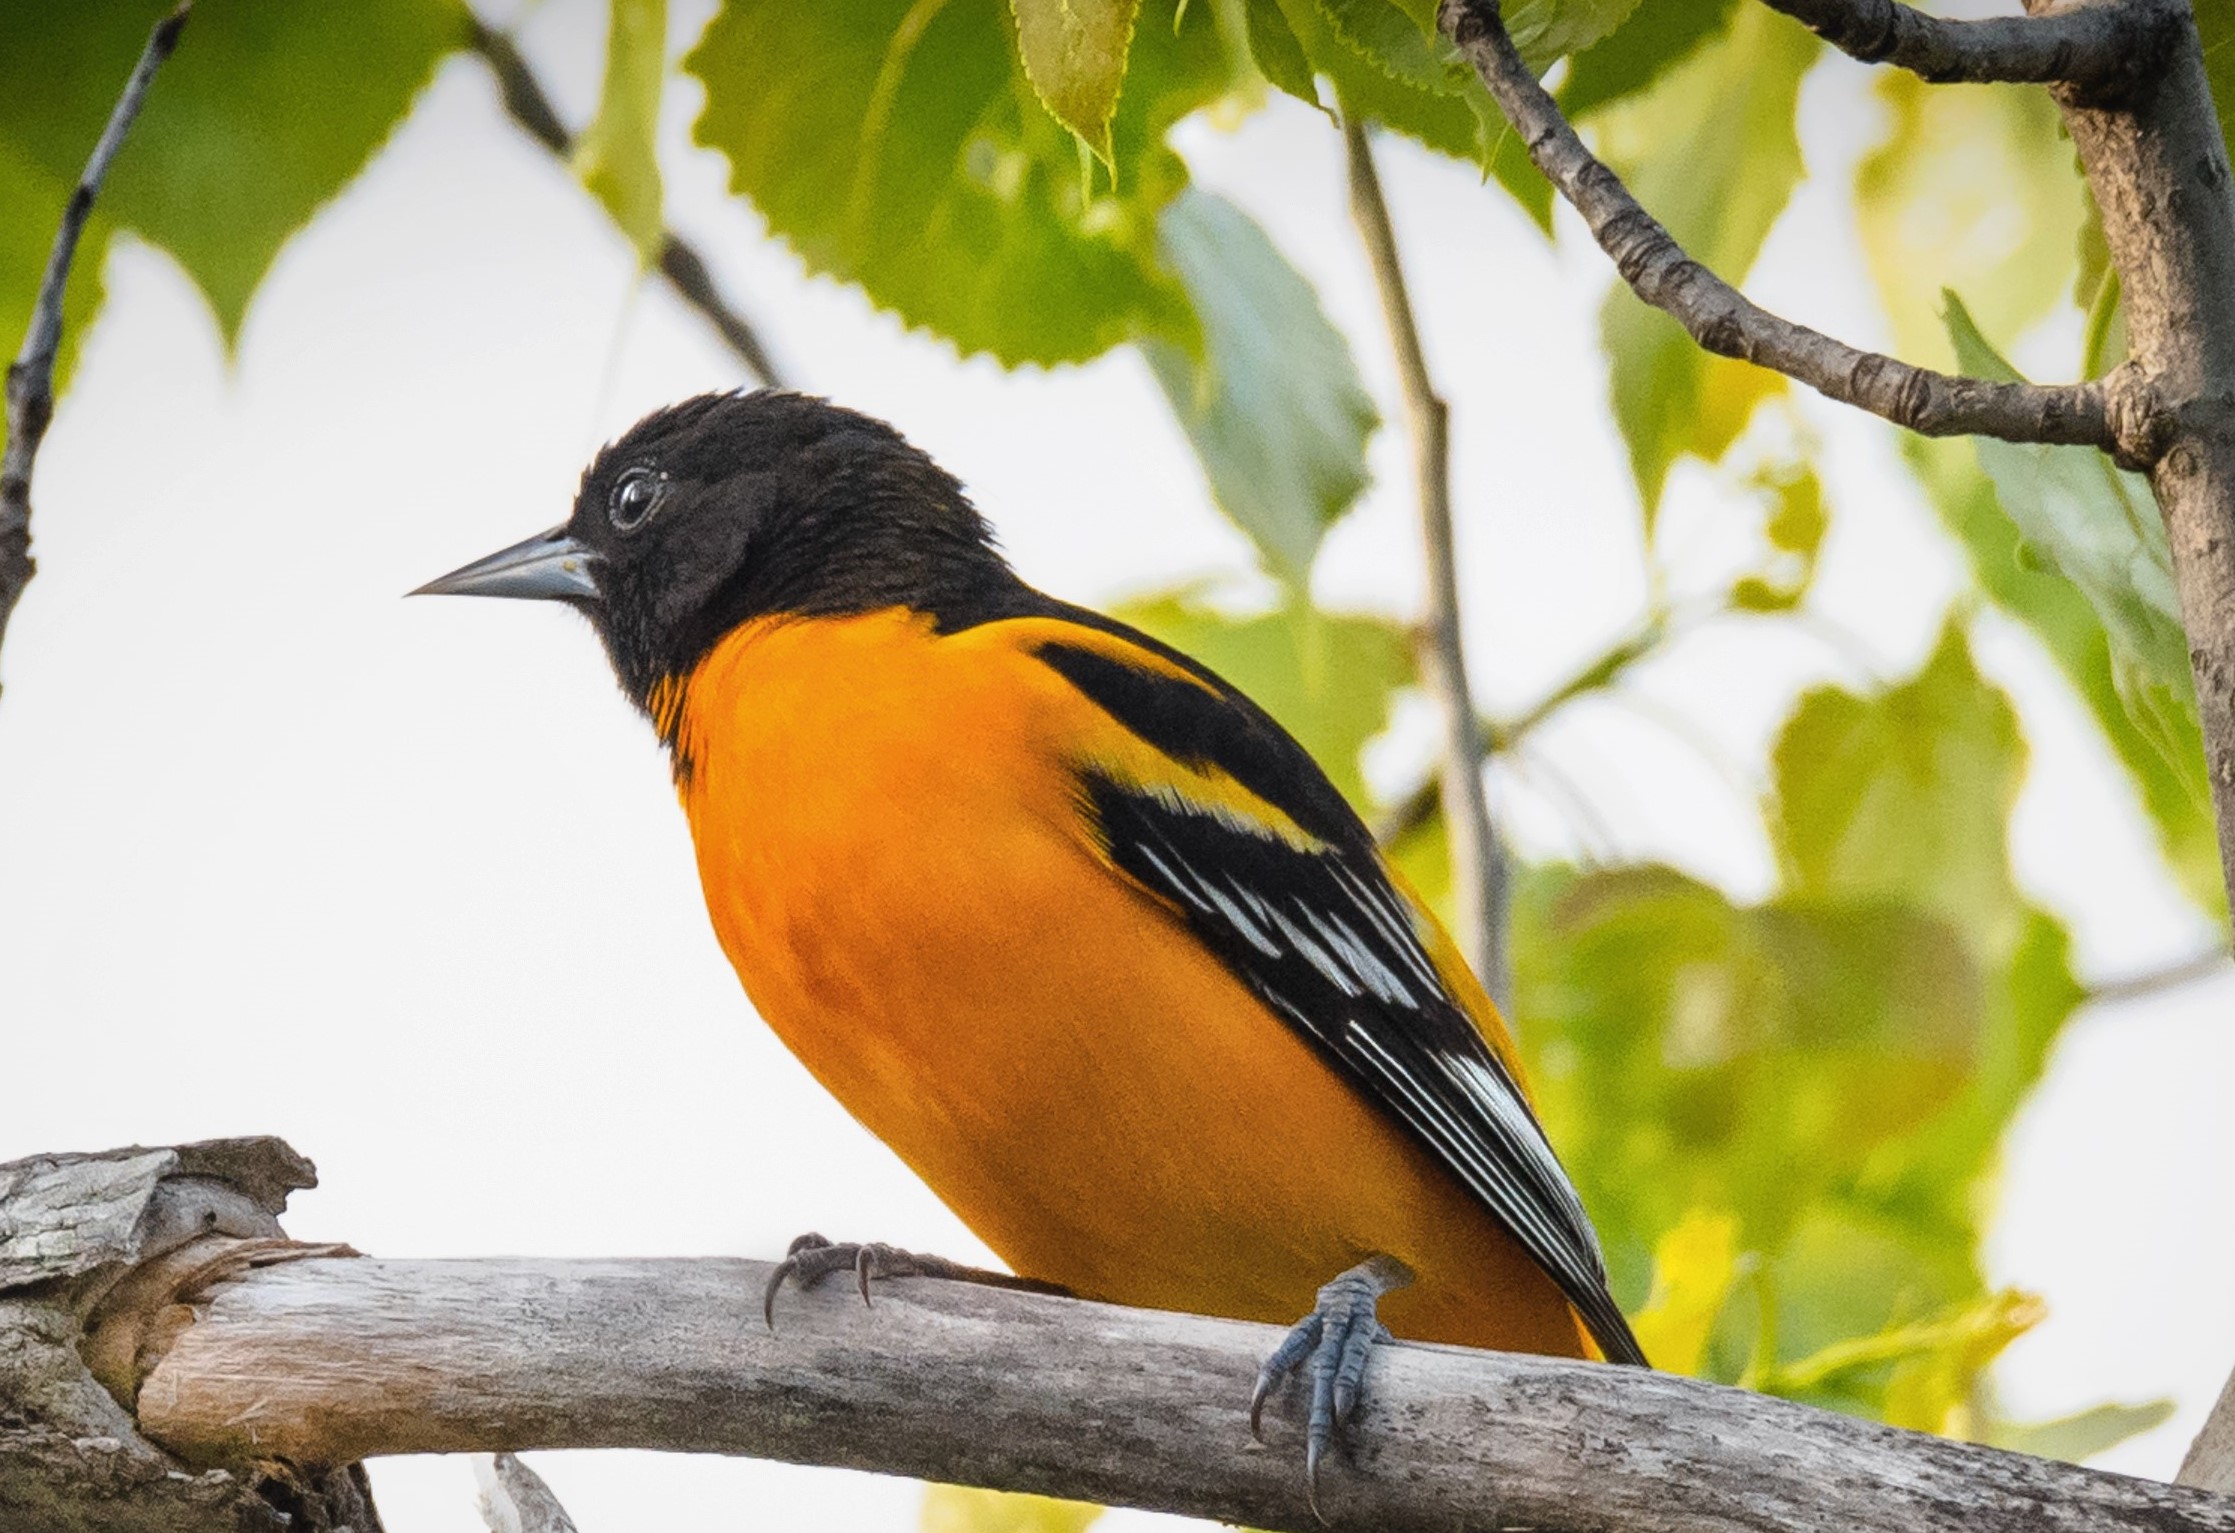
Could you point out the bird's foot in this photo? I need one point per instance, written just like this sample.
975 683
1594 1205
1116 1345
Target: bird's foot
811 1258
1336 1337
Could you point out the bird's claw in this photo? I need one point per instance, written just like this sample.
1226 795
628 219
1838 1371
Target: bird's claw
1337 1337
811 1258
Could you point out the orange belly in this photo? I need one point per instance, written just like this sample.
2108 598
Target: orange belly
896 864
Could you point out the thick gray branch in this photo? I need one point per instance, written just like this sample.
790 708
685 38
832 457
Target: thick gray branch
1480 886
1726 323
686 271
2104 48
31 375
325 1360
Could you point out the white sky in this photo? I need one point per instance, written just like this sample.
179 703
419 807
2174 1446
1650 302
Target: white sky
405 882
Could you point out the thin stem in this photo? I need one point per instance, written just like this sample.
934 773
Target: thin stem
686 271
1479 882
2134 987
31 376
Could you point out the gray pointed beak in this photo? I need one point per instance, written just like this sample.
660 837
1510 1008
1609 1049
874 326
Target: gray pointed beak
551 566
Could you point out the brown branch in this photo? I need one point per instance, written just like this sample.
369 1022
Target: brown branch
323 1361
1480 885
2117 413
2105 48
686 271
31 375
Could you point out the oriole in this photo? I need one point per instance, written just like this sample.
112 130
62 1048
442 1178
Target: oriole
1058 914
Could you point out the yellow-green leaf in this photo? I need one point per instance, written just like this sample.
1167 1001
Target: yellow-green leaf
1074 53
1711 151
1695 1266
1973 189
1906 795
618 158
966 1509
2083 1434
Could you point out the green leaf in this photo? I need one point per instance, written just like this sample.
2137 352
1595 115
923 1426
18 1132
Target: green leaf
2167 768
898 145
1974 189
1695 1267
1794 531
1545 30
1276 52
1329 679
2099 527
1074 53
1659 35
1419 88
264 113
618 158
2084 1434
1712 153
1905 796
966 1509
1272 403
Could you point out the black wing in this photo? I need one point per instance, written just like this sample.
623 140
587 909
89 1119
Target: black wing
1324 939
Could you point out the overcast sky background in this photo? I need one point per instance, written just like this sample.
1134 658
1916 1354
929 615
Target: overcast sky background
405 882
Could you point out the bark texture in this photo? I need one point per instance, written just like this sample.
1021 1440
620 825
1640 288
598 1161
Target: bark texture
78 1234
2158 167
318 1361
2099 48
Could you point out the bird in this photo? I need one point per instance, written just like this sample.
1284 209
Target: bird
1065 919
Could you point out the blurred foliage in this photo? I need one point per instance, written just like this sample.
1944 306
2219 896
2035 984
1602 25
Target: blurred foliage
1785 1113
618 158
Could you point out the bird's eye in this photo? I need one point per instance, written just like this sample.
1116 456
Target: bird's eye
636 494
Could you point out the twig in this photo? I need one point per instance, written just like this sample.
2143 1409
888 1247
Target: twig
1500 736
2187 971
2118 413
323 1361
1479 880
31 376
529 106
514 1498
2101 48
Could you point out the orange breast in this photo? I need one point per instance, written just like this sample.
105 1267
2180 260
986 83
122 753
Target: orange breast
898 866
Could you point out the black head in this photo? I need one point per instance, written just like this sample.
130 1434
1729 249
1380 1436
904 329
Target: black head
736 506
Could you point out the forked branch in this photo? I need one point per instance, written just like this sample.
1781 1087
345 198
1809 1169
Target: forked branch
2100 48
2116 414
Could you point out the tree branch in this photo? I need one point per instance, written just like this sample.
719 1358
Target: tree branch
686 271
2104 49
1480 886
2117 413
2186 971
322 1361
31 376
